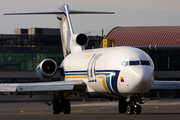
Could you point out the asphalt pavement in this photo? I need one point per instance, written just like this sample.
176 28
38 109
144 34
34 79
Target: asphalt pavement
166 109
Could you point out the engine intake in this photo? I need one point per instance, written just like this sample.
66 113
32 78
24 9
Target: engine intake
81 39
46 69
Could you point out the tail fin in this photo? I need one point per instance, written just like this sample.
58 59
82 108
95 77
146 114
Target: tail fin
65 29
70 42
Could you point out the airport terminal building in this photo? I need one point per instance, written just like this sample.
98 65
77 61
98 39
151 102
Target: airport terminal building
21 52
26 48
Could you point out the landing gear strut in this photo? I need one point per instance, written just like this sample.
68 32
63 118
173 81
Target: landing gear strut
130 106
60 104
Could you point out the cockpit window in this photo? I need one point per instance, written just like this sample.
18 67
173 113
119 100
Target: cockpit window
143 62
124 63
134 63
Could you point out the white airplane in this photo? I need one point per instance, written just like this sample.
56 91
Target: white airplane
125 73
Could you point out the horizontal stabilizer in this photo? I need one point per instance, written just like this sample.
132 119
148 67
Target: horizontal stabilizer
59 12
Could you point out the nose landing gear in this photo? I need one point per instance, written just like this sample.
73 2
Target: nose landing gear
122 106
133 109
137 109
130 106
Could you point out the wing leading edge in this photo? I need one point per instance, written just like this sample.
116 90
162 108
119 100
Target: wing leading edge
75 85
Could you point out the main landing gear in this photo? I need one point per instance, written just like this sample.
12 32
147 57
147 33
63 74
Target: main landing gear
130 105
60 104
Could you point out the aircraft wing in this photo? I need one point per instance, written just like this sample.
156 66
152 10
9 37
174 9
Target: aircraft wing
166 85
44 86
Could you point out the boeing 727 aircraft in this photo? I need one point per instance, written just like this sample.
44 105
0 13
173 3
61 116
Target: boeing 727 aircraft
125 73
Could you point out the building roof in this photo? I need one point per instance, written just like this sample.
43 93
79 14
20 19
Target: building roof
145 36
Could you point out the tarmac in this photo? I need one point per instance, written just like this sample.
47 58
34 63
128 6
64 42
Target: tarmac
165 109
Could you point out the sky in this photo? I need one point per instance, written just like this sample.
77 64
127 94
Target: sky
127 13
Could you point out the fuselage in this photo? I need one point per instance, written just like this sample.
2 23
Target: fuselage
111 72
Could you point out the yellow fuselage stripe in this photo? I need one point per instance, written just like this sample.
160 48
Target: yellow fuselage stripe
104 83
102 77
75 77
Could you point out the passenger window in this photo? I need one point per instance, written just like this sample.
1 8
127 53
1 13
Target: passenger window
133 63
143 62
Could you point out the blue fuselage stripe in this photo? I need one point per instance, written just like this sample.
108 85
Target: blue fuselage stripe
75 71
111 80
76 74
114 82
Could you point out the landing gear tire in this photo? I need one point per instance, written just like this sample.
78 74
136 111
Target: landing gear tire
67 107
60 104
122 106
130 109
137 109
56 107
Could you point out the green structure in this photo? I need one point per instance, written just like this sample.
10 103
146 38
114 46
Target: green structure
20 54
27 58
165 59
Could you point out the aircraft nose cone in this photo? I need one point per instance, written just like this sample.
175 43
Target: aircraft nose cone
142 79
